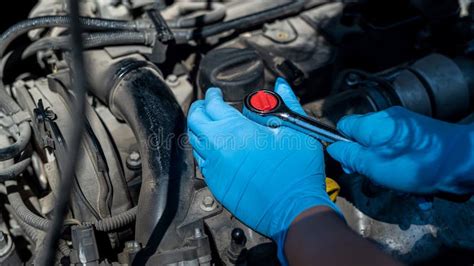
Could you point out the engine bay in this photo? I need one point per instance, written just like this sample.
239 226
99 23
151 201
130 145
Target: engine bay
137 196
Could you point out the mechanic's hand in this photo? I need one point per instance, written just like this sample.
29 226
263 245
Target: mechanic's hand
406 151
264 176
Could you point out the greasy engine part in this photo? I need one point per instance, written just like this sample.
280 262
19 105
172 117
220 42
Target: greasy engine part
311 49
137 197
292 48
138 94
100 190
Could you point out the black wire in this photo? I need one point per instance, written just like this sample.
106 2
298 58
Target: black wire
79 85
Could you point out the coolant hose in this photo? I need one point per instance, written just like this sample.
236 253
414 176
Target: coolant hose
14 170
92 40
63 21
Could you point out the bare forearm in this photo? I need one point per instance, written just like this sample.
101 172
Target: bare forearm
320 235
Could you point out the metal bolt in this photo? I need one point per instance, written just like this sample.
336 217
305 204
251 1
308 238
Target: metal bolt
208 204
197 233
134 161
132 244
134 156
208 201
352 79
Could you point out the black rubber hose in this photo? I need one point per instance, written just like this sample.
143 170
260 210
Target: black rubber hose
283 10
141 97
64 21
21 141
92 40
146 109
216 14
14 170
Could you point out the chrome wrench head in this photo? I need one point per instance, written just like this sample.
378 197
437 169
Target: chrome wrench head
268 109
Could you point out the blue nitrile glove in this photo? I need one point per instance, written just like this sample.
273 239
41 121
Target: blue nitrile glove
406 151
264 176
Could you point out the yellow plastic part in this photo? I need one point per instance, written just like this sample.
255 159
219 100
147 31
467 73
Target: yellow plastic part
332 188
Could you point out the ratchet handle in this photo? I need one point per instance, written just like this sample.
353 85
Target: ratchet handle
312 127
268 109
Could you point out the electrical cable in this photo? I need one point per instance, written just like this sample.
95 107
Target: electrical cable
34 234
32 219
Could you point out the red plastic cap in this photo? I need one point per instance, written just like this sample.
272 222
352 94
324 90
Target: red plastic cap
263 101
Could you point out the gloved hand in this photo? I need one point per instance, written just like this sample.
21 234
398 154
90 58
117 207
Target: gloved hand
265 176
406 151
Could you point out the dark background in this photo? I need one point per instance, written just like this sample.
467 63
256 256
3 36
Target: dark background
12 12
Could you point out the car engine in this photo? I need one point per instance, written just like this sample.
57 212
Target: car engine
137 196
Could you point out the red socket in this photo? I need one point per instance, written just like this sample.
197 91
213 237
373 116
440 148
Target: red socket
263 101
